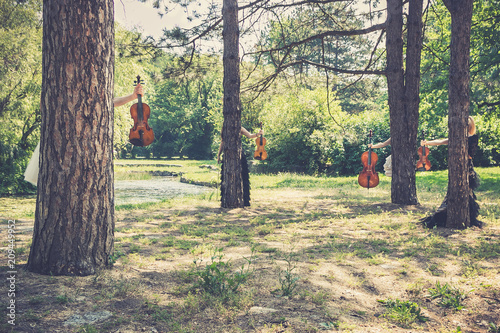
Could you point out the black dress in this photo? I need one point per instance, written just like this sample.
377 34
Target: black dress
438 219
245 177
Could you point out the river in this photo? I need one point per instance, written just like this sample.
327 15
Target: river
153 190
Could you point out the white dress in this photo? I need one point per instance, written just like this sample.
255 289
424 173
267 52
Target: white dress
31 173
388 166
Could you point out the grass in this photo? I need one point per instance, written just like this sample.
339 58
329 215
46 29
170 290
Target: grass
403 313
323 251
216 277
448 296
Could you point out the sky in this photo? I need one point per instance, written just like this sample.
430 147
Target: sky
133 14
142 16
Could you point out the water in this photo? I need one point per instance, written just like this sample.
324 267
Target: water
153 190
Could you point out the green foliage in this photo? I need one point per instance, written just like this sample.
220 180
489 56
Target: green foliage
488 127
159 314
494 328
20 74
449 297
115 256
217 277
306 132
330 325
485 86
187 110
296 126
63 299
87 328
345 52
287 279
131 59
403 313
302 137
134 248
485 57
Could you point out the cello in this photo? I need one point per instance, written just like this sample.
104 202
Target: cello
260 153
423 163
141 134
368 178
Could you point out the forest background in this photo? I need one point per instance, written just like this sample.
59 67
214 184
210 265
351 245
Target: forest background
315 122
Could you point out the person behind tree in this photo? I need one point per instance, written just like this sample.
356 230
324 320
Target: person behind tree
388 160
438 219
31 172
245 176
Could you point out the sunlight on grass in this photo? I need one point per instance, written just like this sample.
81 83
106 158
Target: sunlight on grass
350 247
18 207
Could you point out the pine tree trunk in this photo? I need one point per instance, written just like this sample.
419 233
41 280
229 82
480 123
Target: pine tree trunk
458 216
403 106
406 187
74 216
232 181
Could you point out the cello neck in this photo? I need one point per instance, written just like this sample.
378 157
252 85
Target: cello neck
370 148
140 113
261 134
369 156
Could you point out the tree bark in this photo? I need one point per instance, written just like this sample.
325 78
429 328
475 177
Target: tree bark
403 98
458 216
412 103
232 182
74 218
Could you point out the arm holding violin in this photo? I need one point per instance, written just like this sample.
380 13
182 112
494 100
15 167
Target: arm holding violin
119 101
381 144
251 135
244 132
434 142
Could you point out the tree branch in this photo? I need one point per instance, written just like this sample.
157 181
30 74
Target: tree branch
285 4
480 105
328 34
335 69
266 82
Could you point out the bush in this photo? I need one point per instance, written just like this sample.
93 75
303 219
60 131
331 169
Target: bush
303 137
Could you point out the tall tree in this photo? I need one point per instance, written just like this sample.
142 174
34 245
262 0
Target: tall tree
403 91
74 216
458 113
403 85
232 182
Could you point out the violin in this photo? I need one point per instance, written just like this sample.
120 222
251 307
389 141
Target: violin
368 178
260 153
141 134
423 163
